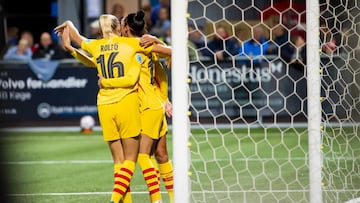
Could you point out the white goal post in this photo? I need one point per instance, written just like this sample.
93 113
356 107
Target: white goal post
179 75
261 128
314 105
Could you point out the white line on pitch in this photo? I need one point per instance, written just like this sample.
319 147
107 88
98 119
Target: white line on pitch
193 192
58 162
110 161
193 160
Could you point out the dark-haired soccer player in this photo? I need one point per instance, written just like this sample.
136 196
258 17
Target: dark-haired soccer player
151 110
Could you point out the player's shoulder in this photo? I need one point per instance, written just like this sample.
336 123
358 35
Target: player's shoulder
129 39
133 42
92 41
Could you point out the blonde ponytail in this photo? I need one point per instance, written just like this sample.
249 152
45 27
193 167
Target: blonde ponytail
108 26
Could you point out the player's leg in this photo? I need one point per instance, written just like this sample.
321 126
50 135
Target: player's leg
111 135
164 163
153 160
117 153
118 157
165 167
126 123
124 174
148 170
151 123
127 198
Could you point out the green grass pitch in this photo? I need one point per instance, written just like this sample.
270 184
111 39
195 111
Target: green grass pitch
74 167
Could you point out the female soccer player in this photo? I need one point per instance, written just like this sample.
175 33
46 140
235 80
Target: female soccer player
118 61
159 151
151 109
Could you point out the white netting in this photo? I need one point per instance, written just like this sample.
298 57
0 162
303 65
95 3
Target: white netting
339 24
249 112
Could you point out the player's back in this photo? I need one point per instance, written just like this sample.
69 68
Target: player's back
114 58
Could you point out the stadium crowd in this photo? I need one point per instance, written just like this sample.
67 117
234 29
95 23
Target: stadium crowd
212 41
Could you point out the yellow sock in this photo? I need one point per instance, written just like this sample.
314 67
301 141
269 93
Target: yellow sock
153 160
166 171
150 176
122 180
117 167
127 196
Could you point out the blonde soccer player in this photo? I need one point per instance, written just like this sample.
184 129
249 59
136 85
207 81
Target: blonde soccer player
118 61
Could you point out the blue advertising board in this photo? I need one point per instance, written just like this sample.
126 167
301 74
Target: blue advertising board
242 89
27 100
227 91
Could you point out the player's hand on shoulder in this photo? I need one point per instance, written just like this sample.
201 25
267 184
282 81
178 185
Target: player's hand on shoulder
147 40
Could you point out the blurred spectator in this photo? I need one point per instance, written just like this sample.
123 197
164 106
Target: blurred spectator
280 43
48 49
94 29
21 52
148 10
329 47
196 42
240 34
298 50
156 8
280 37
118 10
233 44
255 46
45 59
196 37
162 24
30 38
328 42
12 35
221 45
167 34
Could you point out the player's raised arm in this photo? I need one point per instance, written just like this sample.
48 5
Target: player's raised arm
73 32
65 36
77 54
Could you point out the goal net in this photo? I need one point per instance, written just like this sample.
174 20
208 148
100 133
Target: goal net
249 139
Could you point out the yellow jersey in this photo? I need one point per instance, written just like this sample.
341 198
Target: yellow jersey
118 60
148 95
161 79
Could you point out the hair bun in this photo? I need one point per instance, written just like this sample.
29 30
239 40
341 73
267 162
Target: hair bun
140 15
